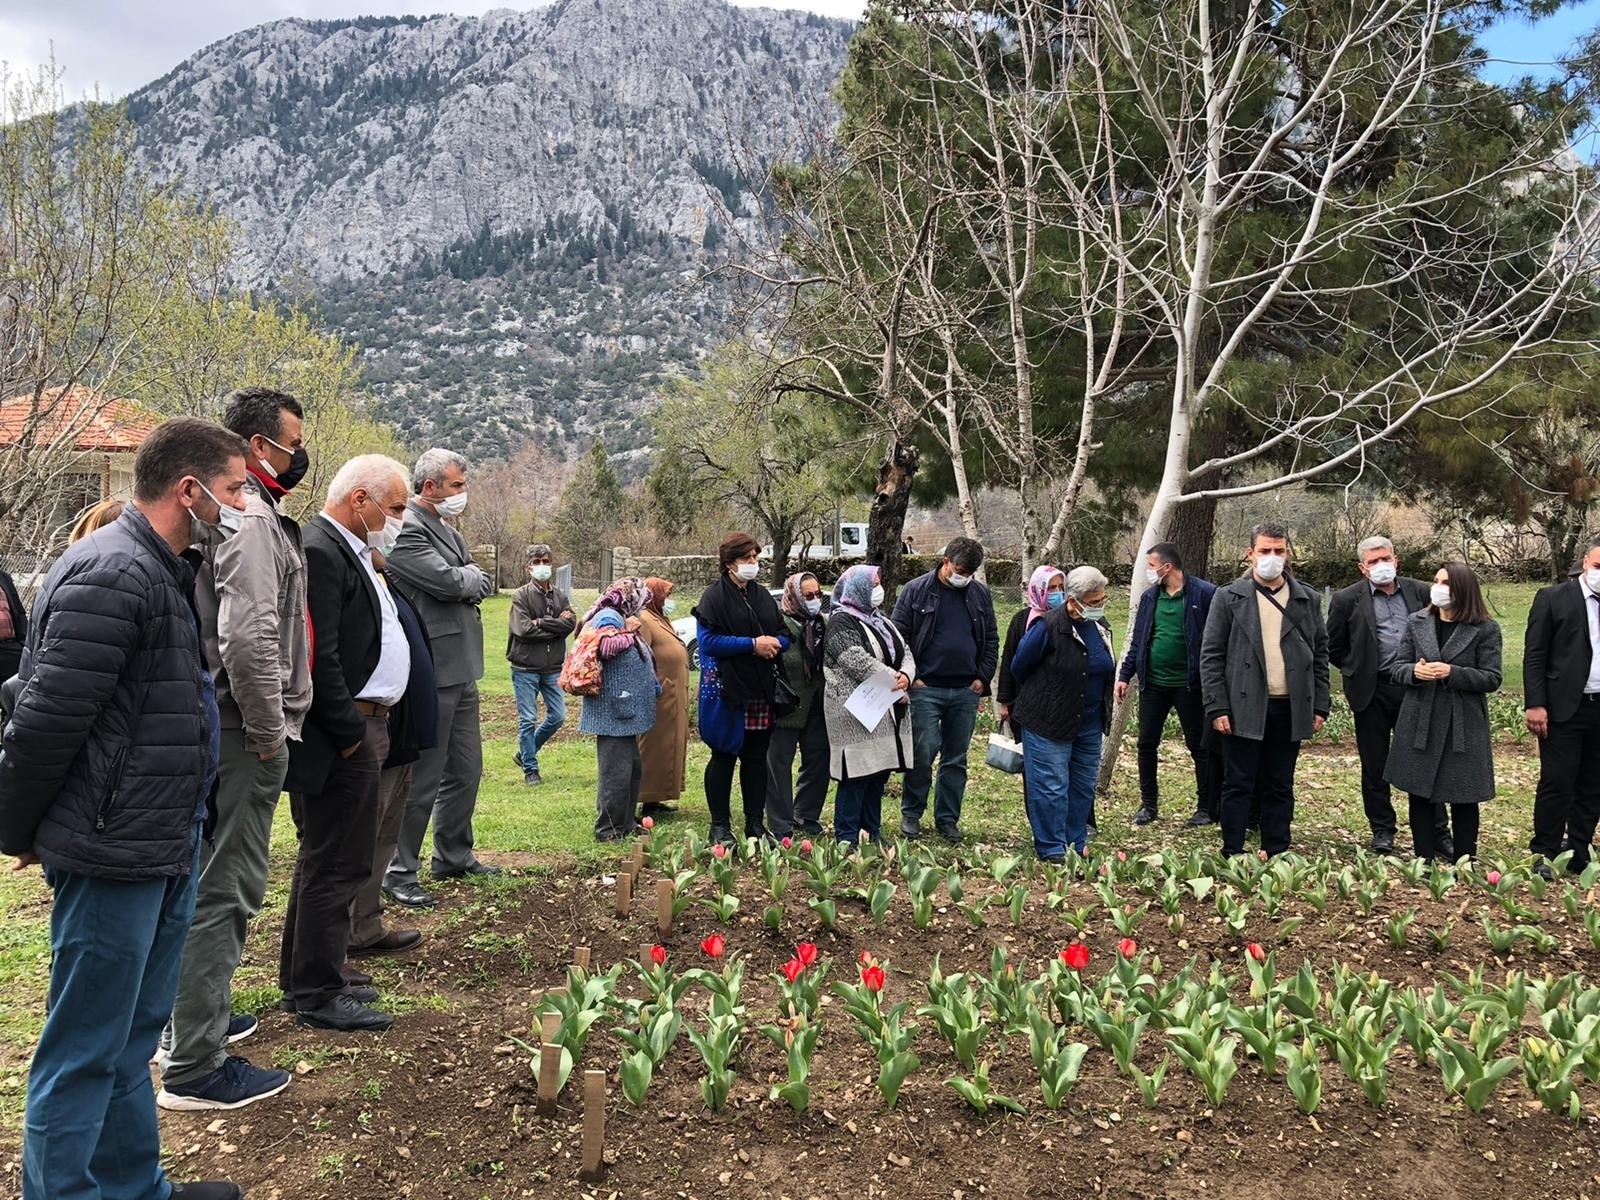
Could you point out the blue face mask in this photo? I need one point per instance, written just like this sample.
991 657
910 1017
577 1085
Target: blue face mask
1056 599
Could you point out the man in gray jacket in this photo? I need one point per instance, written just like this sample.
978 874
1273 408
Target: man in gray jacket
1264 678
433 566
250 593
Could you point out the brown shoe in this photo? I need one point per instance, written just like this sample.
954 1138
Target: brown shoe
395 941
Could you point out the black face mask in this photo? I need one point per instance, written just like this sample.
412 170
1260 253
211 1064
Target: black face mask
299 464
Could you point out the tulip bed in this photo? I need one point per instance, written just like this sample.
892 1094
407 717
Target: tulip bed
988 993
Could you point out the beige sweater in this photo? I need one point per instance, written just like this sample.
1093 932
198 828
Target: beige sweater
1272 644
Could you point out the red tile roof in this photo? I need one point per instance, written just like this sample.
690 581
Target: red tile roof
104 425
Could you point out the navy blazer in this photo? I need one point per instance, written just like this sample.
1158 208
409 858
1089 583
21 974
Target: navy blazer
414 722
1197 594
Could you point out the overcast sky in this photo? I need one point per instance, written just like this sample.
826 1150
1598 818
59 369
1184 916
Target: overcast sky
117 45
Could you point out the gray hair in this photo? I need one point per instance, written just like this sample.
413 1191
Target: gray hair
432 465
1085 581
540 550
370 471
1368 545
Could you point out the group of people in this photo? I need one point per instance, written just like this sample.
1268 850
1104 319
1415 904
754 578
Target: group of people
1244 665
775 679
192 655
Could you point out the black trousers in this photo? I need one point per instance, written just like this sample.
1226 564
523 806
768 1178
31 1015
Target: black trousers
1566 807
338 828
1155 702
752 762
1374 732
1260 769
1425 815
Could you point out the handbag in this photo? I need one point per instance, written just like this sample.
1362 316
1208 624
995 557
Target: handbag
580 673
1004 753
784 698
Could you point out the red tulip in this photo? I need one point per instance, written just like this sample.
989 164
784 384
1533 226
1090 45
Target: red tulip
1076 956
1127 947
787 842
1262 855
806 952
1122 856
872 979
649 823
805 846
793 969
1255 951
658 955
714 945
1493 878
719 851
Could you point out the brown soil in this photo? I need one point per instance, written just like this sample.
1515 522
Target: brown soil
443 1105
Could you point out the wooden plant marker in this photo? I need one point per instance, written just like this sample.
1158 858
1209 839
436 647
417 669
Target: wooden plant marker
664 908
549 1069
549 1027
638 857
580 957
644 953
594 1125
624 893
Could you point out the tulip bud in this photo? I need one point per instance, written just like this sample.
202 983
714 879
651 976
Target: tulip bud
658 955
787 842
1493 877
719 851
1127 947
649 823
1255 951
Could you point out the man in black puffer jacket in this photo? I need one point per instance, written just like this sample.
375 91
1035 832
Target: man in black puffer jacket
104 775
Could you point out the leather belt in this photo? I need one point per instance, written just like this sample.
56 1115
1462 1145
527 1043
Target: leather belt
368 708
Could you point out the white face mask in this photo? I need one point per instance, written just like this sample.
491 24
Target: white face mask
1270 566
748 571
542 572
1152 576
877 595
958 580
1382 573
453 507
1592 578
669 606
224 527
814 606
1439 593
383 539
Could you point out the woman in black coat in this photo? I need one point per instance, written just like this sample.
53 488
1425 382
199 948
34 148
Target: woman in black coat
1443 748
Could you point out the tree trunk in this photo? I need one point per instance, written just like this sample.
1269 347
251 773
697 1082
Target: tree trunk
1193 530
886 522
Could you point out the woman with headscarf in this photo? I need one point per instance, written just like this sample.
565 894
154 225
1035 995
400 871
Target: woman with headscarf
1045 590
805 728
664 749
741 635
860 641
1063 671
625 707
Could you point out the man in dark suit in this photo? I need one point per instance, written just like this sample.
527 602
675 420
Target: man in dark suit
433 566
1561 688
1366 622
360 666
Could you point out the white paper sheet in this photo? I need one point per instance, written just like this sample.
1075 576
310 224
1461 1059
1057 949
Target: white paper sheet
873 698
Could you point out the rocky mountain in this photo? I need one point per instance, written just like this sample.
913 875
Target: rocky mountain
512 214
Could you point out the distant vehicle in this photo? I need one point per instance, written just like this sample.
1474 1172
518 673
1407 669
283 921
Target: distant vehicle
688 633
852 543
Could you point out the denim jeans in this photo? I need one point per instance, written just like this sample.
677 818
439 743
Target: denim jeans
857 806
532 732
91 1116
942 720
1061 780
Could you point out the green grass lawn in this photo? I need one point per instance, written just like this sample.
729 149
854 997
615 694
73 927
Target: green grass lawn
538 830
